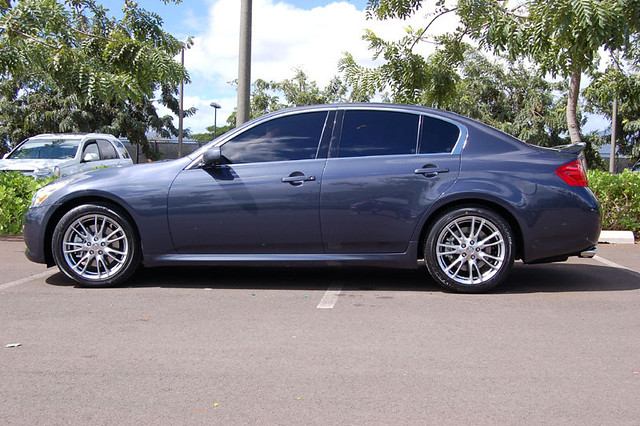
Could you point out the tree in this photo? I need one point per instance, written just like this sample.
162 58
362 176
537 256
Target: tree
617 83
66 66
563 37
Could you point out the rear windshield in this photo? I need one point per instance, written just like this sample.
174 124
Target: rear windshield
54 148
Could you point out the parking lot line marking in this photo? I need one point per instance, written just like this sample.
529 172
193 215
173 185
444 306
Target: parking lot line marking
27 279
615 265
330 297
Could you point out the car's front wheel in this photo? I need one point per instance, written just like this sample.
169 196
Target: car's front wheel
469 249
96 246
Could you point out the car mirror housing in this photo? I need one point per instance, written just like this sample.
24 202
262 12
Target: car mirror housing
212 157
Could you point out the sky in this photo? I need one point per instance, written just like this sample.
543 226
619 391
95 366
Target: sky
311 35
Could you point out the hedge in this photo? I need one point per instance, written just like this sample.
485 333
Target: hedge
620 198
619 195
16 191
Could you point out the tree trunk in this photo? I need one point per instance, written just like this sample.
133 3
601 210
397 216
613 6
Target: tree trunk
572 107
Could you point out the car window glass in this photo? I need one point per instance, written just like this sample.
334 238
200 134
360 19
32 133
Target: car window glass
293 137
367 133
90 152
437 136
55 148
107 151
123 151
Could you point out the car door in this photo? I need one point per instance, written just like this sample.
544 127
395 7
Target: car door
265 200
389 167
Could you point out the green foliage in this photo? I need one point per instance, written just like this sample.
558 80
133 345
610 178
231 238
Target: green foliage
66 66
16 191
625 86
560 37
620 198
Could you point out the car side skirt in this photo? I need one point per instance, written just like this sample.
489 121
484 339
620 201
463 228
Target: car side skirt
406 260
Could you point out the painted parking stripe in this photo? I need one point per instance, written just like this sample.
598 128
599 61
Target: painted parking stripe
615 265
27 279
330 298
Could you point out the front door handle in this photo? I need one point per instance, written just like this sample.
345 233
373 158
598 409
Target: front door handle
297 178
430 171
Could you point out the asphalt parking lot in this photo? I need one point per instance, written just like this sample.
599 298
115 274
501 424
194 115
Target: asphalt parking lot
557 344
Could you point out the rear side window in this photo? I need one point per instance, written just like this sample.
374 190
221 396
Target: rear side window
437 136
294 137
366 133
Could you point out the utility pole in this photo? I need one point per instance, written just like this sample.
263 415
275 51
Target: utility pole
244 64
614 122
181 115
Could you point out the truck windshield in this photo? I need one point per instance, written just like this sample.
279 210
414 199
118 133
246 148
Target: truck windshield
47 148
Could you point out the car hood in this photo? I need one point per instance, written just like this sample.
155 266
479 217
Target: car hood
23 165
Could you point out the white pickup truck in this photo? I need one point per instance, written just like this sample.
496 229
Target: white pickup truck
48 155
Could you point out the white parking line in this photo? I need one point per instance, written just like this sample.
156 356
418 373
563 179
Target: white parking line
330 298
27 279
615 265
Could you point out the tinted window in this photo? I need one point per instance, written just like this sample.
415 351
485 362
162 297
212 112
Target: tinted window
294 137
437 136
378 133
107 151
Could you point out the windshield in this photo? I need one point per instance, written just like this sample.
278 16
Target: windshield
54 148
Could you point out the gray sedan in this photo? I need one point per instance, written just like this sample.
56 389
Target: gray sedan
373 185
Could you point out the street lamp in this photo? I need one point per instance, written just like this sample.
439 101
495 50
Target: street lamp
215 107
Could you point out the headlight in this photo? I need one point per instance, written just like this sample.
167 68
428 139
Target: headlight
42 193
47 172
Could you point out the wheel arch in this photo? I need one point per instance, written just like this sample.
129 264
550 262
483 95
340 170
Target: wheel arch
68 205
475 202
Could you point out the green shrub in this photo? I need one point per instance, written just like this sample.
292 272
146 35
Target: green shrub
16 191
620 198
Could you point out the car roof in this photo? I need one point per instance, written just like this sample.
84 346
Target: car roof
72 135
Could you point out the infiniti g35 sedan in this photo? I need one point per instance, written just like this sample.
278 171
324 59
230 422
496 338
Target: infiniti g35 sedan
373 185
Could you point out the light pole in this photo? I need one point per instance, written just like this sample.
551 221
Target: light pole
215 107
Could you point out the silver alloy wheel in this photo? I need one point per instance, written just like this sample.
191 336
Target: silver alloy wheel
95 247
470 250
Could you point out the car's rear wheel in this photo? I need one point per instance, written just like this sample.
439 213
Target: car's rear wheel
469 249
96 246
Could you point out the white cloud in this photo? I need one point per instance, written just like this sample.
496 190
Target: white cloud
284 37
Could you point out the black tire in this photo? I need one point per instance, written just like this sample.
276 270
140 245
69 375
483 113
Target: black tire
96 246
469 249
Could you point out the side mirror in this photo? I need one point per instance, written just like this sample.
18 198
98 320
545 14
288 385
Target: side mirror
90 156
212 157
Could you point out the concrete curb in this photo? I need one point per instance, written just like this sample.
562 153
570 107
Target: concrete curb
616 237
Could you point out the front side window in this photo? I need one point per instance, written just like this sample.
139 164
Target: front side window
90 152
293 137
366 133
437 136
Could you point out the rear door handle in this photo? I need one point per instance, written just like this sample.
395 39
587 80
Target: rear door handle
431 171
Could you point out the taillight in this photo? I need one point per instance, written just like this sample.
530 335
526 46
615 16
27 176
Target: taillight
573 173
